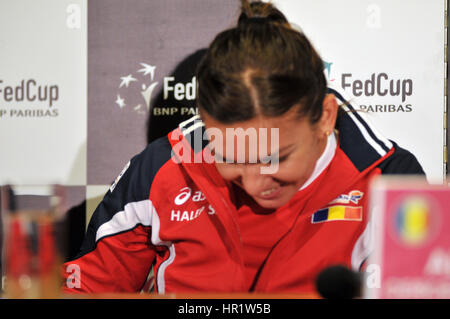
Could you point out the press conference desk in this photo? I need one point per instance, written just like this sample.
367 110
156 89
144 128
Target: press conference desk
193 296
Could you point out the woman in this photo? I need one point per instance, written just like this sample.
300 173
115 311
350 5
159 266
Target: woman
226 225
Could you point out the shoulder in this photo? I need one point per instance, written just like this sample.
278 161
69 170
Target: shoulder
365 146
126 203
143 167
134 182
401 162
154 156
358 138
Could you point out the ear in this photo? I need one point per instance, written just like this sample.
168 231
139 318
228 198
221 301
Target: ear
329 114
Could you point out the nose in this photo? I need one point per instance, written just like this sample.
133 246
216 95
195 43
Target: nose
253 181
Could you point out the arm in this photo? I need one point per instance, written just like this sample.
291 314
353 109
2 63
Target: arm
116 254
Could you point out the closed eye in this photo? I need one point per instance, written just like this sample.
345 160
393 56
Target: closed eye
271 159
283 158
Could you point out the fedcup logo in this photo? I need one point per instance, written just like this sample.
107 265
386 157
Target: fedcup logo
378 84
136 90
29 98
232 146
399 90
129 84
387 94
414 221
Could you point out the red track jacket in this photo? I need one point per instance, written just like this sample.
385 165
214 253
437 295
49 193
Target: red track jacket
181 221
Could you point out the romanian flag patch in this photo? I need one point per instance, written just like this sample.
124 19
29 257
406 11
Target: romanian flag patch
337 213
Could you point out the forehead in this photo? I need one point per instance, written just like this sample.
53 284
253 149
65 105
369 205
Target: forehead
289 127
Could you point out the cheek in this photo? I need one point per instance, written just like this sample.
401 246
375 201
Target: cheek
296 169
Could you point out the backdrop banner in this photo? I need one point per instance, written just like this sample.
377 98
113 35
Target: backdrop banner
43 92
142 59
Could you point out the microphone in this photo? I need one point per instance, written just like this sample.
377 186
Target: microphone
339 282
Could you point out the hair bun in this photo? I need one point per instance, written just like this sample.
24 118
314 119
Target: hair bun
258 11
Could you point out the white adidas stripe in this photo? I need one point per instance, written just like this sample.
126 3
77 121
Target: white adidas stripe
375 132
144 213
363 130
133 214
376 146
184 123
192 128
160 279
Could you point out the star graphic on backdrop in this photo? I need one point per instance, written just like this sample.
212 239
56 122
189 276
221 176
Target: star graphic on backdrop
138 109
148 69
120 102
131 92
126 80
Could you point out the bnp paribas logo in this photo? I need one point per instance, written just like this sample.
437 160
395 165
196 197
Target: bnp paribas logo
135 90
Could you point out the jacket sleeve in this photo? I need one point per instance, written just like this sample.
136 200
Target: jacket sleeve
117 253
401 162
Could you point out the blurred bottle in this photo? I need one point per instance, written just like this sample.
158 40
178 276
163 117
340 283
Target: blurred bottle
34 246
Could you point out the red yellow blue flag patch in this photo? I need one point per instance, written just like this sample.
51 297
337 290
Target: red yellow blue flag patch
339 212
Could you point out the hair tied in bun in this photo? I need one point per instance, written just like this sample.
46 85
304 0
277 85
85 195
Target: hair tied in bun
258 11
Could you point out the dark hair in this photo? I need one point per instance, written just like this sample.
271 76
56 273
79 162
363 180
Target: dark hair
261 67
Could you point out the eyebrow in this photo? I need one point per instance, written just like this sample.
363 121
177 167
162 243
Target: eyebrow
266 158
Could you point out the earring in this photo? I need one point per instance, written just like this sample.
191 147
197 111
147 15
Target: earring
327 133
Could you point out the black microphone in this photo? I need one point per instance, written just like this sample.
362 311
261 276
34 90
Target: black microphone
339 282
